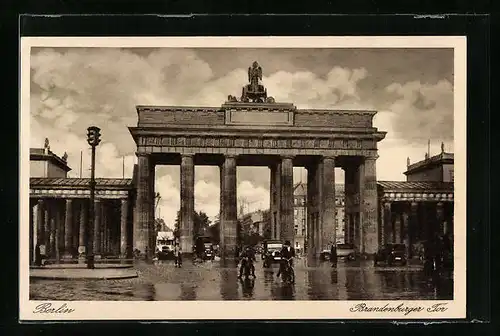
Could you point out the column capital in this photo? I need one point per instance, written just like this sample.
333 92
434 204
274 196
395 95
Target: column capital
387 204
414 205
97 200
40 201
230 156
372 157
290 157
329 157
69 200
142 154
124 200
190 155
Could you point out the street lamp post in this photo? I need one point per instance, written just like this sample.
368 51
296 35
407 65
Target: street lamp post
93 139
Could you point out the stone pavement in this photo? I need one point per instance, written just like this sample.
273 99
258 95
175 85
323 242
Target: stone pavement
162 281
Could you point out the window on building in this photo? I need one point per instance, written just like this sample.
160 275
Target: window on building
296 231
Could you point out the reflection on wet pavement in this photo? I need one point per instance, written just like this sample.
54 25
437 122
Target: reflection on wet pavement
209 281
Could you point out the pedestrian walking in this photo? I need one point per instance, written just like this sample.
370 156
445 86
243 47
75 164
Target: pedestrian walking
333 255
178 255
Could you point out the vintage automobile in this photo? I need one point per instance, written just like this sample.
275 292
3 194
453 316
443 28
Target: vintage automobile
272 252
391 254
208 252
165 252
325 255
346 252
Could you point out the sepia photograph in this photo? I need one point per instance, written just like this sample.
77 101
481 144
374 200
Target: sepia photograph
212 173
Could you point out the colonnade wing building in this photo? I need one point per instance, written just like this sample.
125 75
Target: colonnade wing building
59 210
421 207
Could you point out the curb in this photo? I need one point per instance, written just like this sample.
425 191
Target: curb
84 277
72 266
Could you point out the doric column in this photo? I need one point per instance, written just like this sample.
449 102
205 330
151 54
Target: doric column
68 230
142 206
287 222
272 200
439 217
53 241
230 219
60 230
46 228
124 251
82 239
387 236
370 211
349 191
31 235
405 228
328 231
103 227
413 223
221 205
97 228
397 228
40 225
152 231
311 210
187 203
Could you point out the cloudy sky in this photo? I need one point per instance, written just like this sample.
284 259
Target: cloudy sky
71 88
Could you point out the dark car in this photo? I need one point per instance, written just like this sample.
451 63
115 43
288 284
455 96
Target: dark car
166 252
391 254
272 252
325 255
208 252
346 252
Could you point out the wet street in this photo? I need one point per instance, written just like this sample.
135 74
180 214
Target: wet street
208 281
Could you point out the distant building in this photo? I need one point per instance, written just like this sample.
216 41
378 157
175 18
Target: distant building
256 222
300 214
414 210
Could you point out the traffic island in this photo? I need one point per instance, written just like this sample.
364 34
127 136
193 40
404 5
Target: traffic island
99 273
82 266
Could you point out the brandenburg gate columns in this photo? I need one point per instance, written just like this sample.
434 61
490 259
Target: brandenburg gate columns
143 208
187 204
286 211
229 220
328 227
369 223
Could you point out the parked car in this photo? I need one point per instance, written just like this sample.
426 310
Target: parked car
391 254
272 252
324 255
346 252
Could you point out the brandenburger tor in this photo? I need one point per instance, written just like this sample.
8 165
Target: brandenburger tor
255 130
